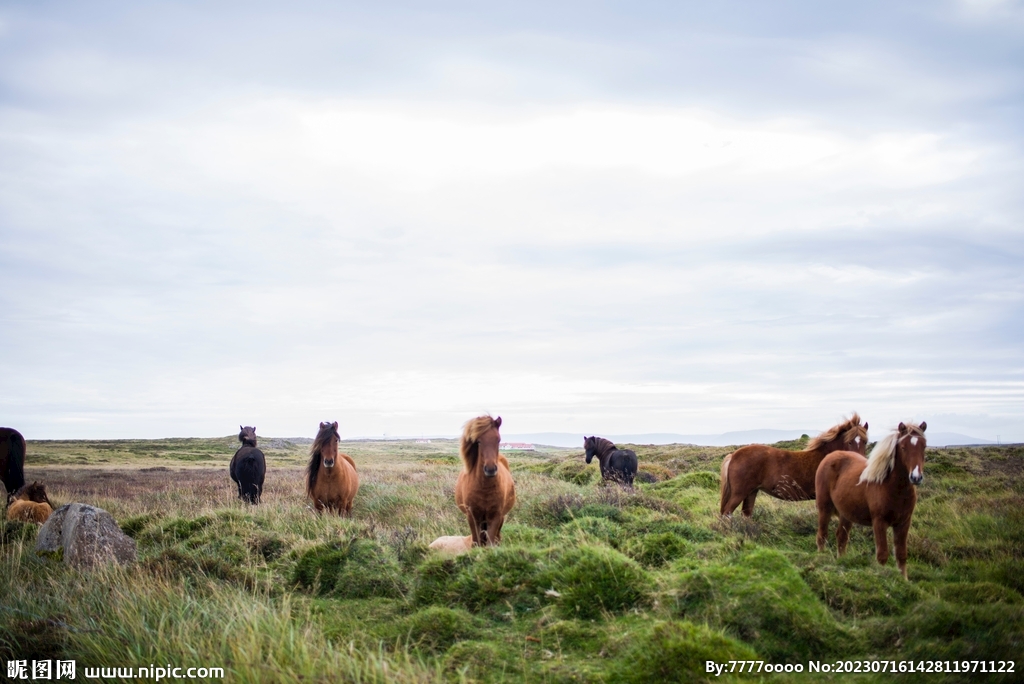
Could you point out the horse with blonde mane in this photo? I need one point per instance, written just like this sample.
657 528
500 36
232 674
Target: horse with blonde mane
29 503
331 479
485 491
786 475
878 491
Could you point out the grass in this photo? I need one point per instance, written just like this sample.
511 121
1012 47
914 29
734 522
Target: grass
592 583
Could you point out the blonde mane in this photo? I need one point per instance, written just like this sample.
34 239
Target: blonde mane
473 430
883 457
853 424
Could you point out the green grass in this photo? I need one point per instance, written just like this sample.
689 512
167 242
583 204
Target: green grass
592 583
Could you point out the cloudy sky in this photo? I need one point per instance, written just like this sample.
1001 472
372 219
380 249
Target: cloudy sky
584 217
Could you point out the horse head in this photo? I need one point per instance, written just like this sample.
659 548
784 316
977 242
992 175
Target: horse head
856 437
590 446
247 435
329 445
910 448
35 492
487 449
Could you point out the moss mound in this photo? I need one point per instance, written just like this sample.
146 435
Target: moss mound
976 593
359 568
503 575
474 660
938 630
436 628
655 549
576 472
677 652
863 592
761 597
592 579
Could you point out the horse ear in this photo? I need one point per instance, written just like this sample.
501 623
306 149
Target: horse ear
924 426
865 425
334 425
902 429
240 427
497 422
323 425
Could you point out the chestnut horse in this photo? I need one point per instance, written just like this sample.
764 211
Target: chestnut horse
248 467
484 491
880 491
786 475
12 459
29 503
331 479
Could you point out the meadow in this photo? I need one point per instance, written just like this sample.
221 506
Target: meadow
591 584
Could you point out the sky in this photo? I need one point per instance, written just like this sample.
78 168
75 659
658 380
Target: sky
584 217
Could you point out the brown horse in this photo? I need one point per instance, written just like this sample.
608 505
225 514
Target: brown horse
331 479
29 503
880 491
12 459
786 475
484 491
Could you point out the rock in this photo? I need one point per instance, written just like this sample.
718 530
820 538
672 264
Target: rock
87 536
453 545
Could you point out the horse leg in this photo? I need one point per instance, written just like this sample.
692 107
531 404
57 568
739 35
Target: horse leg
748 504
474 531
881 540
843 534
494 530
899 538
824 518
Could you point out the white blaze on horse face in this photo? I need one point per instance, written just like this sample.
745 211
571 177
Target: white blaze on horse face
913 440
915 475
857 440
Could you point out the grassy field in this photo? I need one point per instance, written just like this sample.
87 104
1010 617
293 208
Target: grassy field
592 583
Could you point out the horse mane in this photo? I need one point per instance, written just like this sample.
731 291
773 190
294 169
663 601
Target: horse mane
883 457
315 451
829 435
473 430
35 492
602 446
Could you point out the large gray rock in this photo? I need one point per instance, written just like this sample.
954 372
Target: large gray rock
87 535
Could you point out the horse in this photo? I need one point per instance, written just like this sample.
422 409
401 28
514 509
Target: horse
248 467
485 491
12 459
29 503
786 475
617 465
331 479
880 491
454 545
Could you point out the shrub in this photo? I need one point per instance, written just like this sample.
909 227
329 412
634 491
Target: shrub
593 578
677 652
761 598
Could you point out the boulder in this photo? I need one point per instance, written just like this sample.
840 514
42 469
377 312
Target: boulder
87 536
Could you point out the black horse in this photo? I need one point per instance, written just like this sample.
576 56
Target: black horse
248 467
12 459
618 465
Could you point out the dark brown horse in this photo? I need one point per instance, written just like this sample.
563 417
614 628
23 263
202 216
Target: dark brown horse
248 467
331 479
617 465
12 459
485 491
880 491
786 475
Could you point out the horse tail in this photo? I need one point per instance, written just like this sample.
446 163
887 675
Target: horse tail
14 477
249 484
726 488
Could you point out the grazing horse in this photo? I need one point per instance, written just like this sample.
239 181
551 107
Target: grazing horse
12 459
248 467
484 491
880 491
331 479
786 475
617 465
29 503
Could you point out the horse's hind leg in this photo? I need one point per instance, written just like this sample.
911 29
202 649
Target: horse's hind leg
899 538
824 518
748 504
843 534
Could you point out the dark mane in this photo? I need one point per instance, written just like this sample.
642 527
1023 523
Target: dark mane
602 446
327 431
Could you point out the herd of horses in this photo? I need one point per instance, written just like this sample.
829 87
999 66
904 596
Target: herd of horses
877 490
